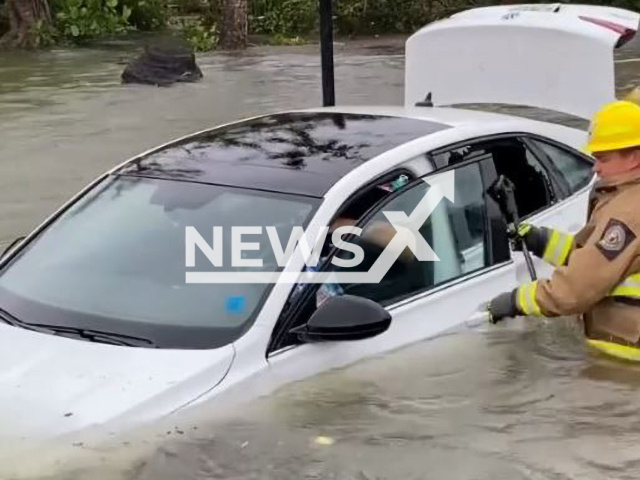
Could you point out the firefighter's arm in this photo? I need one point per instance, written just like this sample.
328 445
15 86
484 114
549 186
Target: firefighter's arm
590 274
553 246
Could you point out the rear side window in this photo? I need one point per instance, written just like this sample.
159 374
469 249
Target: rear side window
511 157
576 170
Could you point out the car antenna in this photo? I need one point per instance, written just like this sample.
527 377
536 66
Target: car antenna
326 53
427 102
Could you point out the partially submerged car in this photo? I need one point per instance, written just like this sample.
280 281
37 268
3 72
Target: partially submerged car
99 324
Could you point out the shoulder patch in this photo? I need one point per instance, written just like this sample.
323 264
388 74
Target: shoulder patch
616 237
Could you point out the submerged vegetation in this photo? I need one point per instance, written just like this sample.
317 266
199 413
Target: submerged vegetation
204 23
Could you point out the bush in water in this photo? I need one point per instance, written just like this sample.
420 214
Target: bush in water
76 21
79 20
202 36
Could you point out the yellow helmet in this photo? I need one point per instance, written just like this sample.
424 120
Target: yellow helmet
615 127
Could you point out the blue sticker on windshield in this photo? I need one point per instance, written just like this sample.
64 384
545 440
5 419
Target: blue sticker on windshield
235 304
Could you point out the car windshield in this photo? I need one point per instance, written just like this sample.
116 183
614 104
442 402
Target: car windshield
115 261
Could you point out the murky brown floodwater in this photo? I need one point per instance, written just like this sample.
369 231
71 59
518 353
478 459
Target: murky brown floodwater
65 118
519 401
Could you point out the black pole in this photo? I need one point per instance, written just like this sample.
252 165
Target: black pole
326 52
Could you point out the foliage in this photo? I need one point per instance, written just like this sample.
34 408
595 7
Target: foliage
284 17
44 34
289 18
79 20
375 16
187 7
147 14
76 21
201 35
285 21
388 16
282 40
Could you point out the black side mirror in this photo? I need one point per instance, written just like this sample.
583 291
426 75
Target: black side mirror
11 245
344 318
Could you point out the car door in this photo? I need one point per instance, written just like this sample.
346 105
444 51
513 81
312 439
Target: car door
424 297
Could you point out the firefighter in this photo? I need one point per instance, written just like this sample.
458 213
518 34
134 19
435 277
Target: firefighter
598 270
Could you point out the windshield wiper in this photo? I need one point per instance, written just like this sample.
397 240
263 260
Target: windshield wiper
9 319
84 333
97 336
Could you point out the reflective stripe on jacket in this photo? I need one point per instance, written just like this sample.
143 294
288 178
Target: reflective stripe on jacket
558 248
620 351
527 302
629 288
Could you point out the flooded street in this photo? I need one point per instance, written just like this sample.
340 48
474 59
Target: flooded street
65 118
519 401
524 400
516 403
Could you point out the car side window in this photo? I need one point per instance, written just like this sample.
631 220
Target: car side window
576 170
455 231
534 190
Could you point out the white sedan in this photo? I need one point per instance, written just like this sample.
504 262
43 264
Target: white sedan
111 313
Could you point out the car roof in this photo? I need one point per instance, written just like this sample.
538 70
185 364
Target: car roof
295 152
510 116
455 117
307 151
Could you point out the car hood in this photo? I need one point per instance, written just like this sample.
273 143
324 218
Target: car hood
50 385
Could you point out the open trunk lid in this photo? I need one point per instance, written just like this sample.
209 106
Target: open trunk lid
552 56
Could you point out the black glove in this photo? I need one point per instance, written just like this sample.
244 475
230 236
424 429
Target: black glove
503 306
536 238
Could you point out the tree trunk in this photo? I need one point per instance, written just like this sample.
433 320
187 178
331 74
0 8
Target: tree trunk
235 29
23 16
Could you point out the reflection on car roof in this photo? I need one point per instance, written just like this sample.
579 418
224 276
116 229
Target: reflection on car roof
302 153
